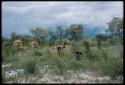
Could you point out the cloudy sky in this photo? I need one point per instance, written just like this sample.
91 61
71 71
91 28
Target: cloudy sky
21 17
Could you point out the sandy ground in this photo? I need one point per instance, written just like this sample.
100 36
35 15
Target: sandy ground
46 76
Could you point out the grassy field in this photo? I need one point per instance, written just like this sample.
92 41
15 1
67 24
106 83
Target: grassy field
107 61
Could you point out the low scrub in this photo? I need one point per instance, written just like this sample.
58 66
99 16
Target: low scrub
112 67
37 52
29 64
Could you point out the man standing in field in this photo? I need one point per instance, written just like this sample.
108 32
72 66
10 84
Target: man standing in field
17 44
33 43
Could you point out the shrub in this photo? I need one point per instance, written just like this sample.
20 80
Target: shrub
112 67
82 65
51 43
93 43
37 52
105 44
87 46
60 64
96 54
58 41
112 41
29 65
48 52
8 53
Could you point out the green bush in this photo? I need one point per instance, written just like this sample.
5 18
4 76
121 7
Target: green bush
8 53
96 54
105 43
51 43
29 64
80 65
93 43
48 52
37 52
58 41
112 41
112 67
60 64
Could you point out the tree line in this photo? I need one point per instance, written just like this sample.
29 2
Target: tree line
73 32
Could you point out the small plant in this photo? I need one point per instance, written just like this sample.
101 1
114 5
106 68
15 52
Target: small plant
112 67
48 52
87 46
7 53
29 65
37 52
60 65
99 44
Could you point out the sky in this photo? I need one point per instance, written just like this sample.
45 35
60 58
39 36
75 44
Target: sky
21 17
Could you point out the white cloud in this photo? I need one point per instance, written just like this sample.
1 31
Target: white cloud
31 14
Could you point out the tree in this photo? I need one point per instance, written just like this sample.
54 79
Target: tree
39 34
14 36
52 35
59 32
4 39
25 38
101 37
116 27
75 31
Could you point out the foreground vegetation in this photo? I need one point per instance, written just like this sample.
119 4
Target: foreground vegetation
105 61
102 55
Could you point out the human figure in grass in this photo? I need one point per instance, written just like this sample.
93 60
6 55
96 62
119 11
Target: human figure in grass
33 43
17 44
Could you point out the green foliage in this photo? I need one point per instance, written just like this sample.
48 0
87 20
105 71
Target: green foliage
7 53
59 32
105 61
75 31
58 41
37 52
112 67
105 44
75 46
29 64
5 40
39 34
116 27
48 52
52 35
87 46
92 43
112 41
81 65
51 43
102 37
14 36
60 64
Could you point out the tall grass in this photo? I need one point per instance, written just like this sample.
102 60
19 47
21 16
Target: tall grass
29 64
7 53
37 52
100 60
111 67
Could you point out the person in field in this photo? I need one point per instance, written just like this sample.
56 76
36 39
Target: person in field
17 44
33 43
